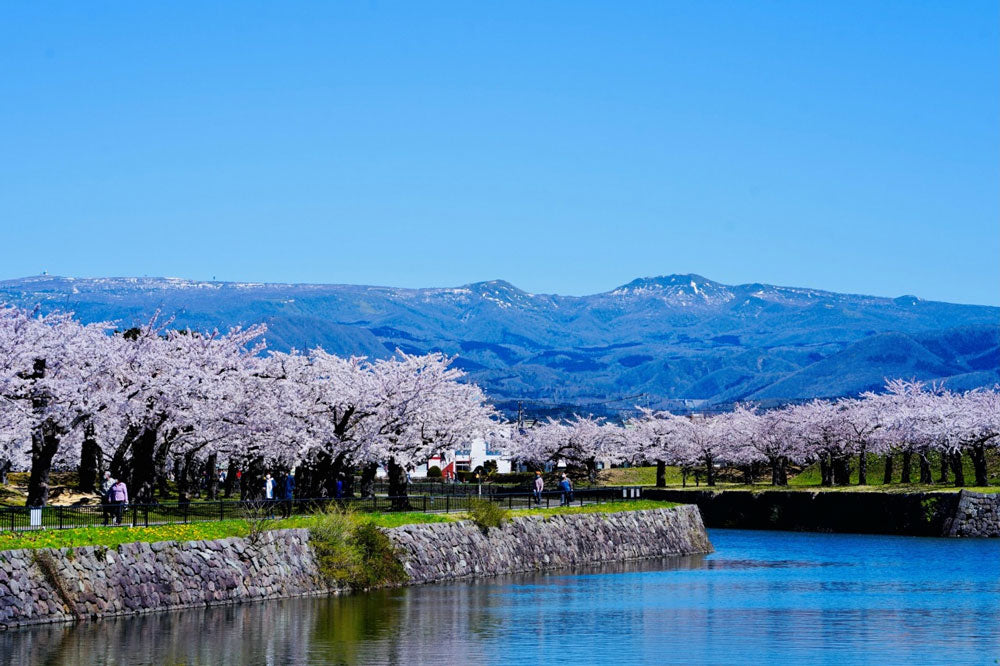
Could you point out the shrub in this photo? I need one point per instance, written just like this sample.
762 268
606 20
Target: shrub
433 472
487 514
259 516
380 559
331 536
354 552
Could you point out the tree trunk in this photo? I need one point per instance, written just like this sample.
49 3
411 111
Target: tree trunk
160 469
45 438
863 466
592 471
944 469
661 474
143 467
5 466
978 454
956 467
337 471
90 462
348 479
887 474
397 487
253 479
925 469
841 470
44 445
368 479
182 476
320 473
904 476
825 470
211 468
227 488
779 471
709 471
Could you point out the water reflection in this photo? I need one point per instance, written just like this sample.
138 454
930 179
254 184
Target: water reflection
770 597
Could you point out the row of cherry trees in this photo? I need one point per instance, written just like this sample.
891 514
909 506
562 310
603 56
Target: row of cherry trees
909 418
153 400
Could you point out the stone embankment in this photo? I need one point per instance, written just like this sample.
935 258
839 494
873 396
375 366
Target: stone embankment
448 551
55 585
976 515
964 514
52 585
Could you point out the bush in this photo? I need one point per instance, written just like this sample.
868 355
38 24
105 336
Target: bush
380 562
353 552
331 536
259 516
487 514
433 472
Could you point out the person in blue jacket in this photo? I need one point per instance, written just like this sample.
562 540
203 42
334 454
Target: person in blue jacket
289 493
566 486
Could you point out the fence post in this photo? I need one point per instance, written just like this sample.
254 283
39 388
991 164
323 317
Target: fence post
425 503
447 504
60 517
185 513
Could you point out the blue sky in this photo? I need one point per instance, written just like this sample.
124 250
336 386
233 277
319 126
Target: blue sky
567 147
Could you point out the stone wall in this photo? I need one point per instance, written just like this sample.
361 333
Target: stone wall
977 515
913 514
52 585
447 551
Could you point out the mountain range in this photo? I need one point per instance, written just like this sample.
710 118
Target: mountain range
671 341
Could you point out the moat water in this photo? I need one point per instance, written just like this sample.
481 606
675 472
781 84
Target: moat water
763 597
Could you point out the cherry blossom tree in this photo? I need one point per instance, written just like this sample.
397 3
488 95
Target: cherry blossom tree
52 372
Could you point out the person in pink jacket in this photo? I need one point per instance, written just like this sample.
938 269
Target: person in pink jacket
119 498
539 487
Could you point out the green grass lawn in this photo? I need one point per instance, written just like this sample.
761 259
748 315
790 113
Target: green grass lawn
610 507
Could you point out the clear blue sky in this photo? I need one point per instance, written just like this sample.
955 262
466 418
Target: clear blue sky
567 147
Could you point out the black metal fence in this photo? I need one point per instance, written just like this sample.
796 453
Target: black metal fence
164 513
457 488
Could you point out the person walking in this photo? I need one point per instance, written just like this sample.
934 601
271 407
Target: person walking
539 487
106 497
289 494
566 486
269 493
119 499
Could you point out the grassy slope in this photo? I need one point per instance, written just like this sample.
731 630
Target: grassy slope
638 476
810 476
115 536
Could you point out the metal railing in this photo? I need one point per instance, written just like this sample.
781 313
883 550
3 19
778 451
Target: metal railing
164 513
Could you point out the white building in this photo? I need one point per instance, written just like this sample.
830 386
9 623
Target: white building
465 460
